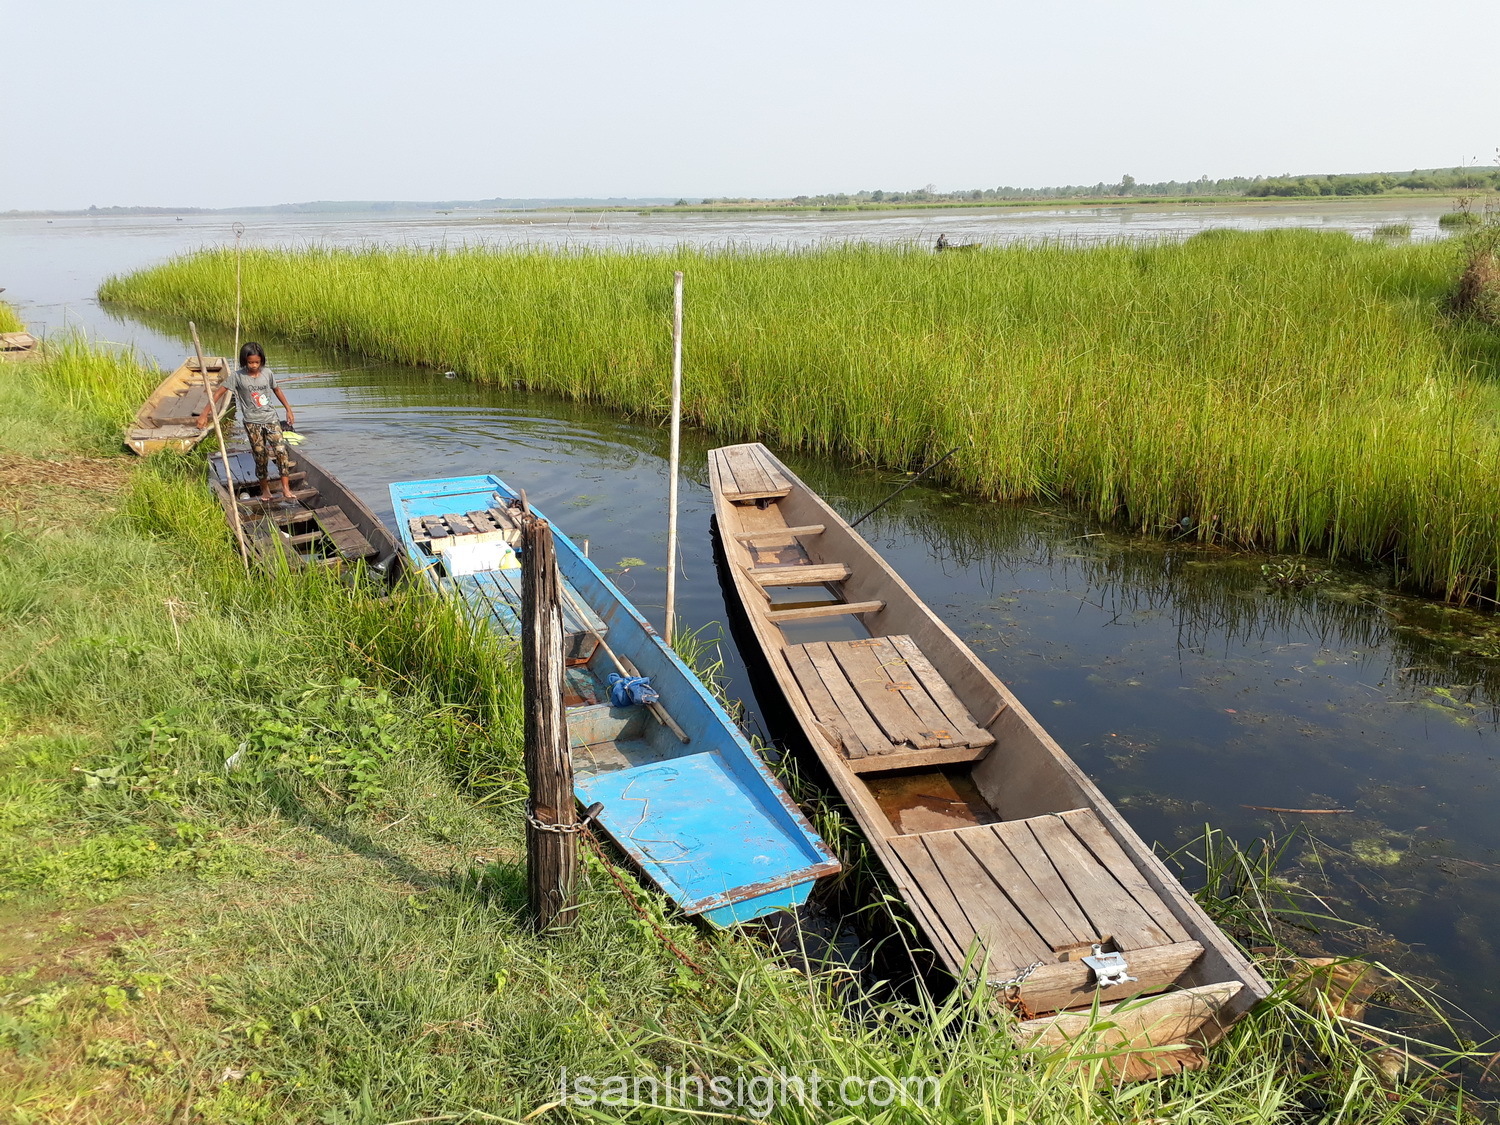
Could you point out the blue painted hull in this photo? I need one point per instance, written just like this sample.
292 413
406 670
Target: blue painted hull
705 820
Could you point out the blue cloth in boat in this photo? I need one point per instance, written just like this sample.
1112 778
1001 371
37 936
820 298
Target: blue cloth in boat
630 691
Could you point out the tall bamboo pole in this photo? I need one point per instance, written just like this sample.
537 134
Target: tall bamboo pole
239 229
675 454
551 815
234 500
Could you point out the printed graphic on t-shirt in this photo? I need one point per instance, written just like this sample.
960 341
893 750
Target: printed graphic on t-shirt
260 399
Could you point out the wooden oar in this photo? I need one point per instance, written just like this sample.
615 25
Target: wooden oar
234 501
623 668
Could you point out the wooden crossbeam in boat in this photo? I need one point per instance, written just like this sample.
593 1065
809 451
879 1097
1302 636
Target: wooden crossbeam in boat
781 533
807 612
803 574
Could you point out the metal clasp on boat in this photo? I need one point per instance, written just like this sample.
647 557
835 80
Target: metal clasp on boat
1110 969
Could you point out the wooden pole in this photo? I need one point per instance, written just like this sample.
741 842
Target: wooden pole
675 454
239 229
234 500
551 814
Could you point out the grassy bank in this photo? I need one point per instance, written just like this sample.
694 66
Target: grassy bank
1298 390
333 930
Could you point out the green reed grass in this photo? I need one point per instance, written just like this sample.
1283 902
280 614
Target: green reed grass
1393 230
1298 390
9 321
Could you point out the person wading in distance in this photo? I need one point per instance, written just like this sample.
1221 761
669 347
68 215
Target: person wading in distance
253 385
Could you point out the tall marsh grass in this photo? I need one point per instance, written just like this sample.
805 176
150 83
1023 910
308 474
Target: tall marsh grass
1298 390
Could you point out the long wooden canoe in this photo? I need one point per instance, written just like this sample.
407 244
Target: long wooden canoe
325 524
690 802
176 415
1014 865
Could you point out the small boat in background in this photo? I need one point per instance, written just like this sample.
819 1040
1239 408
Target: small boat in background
683 793
1016 868
177 414
324 524
17 345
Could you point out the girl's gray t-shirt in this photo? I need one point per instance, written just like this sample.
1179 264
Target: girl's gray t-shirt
254 395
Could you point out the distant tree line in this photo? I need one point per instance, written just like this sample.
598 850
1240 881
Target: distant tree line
1435 179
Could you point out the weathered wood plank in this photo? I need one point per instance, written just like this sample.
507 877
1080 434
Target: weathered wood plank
905 758
778 532
727 483
458 524
770 466
332 518
1008 937
889 709
1108 905
856 718
1029 854
1159 1021
802 574
992 854
930 899
1087 827
930 716
821 702
748 473
807 612
1072 984
937 687
434 527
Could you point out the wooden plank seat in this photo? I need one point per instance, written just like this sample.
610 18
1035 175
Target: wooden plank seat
1046 889
347 539
428 529
883 702
747 474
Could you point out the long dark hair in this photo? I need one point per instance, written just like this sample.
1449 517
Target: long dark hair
250 348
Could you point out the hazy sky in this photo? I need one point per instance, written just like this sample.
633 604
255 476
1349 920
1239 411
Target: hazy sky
264 101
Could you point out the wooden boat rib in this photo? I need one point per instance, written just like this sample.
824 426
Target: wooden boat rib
176 415
1014 865
325 524
702 817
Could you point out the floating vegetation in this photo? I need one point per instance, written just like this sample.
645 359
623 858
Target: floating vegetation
1392 230
1293 574
1298 391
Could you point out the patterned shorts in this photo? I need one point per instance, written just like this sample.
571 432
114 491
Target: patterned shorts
266 443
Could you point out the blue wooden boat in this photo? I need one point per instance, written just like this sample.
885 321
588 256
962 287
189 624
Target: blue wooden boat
703 818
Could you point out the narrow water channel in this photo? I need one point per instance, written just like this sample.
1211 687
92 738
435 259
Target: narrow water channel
1178 677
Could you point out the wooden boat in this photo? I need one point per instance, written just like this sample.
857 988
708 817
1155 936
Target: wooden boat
176 415
1016 868
323 525
694 808
15 345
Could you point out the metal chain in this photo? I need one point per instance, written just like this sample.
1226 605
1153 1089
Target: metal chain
1021 978
558 829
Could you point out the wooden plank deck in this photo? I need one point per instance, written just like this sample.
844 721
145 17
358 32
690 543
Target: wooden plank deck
1028 891
749 475
888 697
425 529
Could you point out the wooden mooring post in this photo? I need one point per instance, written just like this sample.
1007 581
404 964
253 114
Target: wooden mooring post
551 815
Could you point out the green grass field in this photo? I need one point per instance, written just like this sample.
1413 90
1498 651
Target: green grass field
334 930
1301 391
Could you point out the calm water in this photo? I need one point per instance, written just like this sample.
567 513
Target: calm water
1173 675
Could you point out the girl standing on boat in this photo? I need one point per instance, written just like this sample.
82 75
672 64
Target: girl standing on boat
253 385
